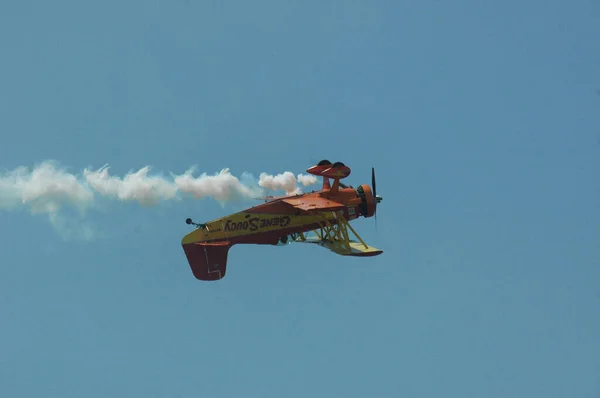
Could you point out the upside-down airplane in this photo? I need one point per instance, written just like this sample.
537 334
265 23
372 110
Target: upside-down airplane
286 219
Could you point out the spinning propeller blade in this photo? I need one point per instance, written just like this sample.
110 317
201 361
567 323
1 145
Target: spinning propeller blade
373 181
376 198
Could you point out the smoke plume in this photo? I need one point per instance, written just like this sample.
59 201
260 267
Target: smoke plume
48 188
286 182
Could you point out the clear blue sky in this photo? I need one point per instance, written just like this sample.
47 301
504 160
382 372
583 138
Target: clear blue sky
482 120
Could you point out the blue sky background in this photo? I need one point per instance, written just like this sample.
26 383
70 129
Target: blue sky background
482 120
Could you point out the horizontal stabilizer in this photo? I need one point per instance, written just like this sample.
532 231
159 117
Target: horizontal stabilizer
208 260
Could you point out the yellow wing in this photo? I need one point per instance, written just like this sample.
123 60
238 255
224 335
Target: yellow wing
350 248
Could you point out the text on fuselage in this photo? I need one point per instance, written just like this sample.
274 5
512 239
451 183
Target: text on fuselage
255 223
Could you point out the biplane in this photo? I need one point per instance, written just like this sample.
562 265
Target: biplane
319 217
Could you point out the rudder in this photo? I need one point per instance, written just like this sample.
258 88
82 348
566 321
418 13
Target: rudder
208 261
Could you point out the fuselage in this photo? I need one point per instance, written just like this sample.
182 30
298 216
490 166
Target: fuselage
266 223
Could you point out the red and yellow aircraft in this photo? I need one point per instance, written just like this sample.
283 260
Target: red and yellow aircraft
288 219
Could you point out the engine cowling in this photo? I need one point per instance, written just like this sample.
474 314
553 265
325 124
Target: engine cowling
367 206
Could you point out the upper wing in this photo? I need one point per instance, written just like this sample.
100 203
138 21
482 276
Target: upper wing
311 203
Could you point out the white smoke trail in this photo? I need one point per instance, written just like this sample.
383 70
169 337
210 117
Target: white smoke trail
45 189
138 186
286 182
48 188
222 186
307 180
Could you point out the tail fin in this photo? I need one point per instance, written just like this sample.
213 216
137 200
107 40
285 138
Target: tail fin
208 261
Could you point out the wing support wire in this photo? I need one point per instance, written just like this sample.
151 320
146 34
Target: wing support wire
334 235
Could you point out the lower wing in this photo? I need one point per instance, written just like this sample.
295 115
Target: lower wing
342 247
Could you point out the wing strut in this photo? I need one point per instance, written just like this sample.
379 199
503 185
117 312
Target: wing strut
334 235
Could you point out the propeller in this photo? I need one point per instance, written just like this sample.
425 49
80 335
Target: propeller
377 198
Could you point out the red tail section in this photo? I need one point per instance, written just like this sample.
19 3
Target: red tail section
208 261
